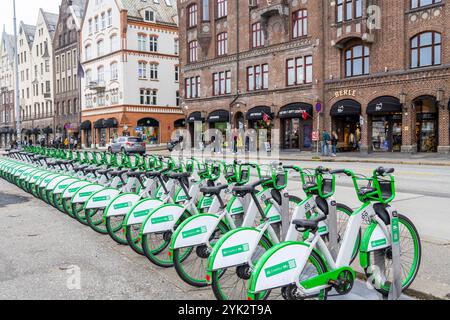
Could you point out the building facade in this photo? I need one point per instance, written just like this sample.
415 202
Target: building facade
24 46
7 85
66 83
378 70
257 65
129 52
387 75
35 53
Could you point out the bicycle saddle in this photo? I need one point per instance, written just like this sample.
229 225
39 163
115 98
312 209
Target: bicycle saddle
178 176
303 225
104 172
118 173
135 174
213 190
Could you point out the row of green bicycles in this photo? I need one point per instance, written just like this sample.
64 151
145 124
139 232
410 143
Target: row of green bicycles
234 227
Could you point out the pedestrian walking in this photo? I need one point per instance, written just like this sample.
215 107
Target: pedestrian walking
334 143
326 138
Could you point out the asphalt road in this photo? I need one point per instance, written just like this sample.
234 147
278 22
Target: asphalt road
47 255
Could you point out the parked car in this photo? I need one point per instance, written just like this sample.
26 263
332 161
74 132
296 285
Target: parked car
128 145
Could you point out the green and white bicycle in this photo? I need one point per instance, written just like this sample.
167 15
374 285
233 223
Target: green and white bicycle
307 269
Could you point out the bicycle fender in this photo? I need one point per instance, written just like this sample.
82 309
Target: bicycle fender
162 219
280 266
60 187
121 205
195 231
55 182
234 248
74 187
47 180
372 240
84 193
141 210
101 198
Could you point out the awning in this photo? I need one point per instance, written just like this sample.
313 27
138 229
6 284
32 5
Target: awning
448 105
111 123
86 125
384 105
11 131
47 130
258 113
194 117
36 131
296 110
4 130
148 122
181 123
219 116
346 107
99 124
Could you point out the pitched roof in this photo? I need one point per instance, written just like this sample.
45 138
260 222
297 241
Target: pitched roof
51 20
29 31
166 10
8 43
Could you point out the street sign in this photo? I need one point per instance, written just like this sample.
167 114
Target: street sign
138 129
318 107
315 136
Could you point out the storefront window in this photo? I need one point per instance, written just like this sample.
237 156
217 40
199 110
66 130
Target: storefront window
387 133
426 124
149 130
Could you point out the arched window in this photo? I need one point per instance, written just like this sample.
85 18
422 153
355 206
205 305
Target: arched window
357 61
88 52
222 44
192 15
114 43
426 49
114 71
100 48
193 51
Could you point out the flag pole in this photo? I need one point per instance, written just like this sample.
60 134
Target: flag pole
16 60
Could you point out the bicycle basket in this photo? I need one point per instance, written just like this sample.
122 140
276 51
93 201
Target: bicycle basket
386 188
326 185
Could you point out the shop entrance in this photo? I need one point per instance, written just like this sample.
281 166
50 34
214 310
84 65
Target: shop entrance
296 126
150 130
385 114
346 122
196 124
426 124
260 118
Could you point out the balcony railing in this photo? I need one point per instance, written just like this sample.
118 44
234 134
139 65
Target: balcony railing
98 85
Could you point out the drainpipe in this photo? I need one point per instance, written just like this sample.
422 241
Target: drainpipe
237 60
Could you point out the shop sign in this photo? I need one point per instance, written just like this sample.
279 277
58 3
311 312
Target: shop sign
345 93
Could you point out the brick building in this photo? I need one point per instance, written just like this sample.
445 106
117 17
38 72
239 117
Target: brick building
67 84
379 69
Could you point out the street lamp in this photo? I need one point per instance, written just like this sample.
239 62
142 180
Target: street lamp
403 100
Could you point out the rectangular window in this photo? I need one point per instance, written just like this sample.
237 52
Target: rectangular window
258 77
300 23
299 71
222 83
258 38
222 8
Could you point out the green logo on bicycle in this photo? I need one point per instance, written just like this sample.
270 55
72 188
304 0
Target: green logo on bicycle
238 210
207 202
85 194
142 213
379 243
235 250
280 268
122 205
104 198
74 190
165 219
194 232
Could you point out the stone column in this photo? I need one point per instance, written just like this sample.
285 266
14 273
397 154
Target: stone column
364 144
409 143
444 134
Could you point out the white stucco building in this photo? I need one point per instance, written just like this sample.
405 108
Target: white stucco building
129 53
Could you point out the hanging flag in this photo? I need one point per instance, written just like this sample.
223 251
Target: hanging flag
305 115
80 70
265 117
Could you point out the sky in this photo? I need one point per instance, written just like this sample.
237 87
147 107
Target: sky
26 10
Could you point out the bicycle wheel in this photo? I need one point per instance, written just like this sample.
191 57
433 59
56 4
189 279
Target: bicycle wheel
94 218
132 234
232 283
380 261
313 268
79 213
115 229
156 246
343 215
192 268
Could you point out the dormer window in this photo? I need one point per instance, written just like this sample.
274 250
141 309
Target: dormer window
149 16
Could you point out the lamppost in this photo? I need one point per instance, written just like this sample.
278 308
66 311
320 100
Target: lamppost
16 62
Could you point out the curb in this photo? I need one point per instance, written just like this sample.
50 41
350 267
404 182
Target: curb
414 293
